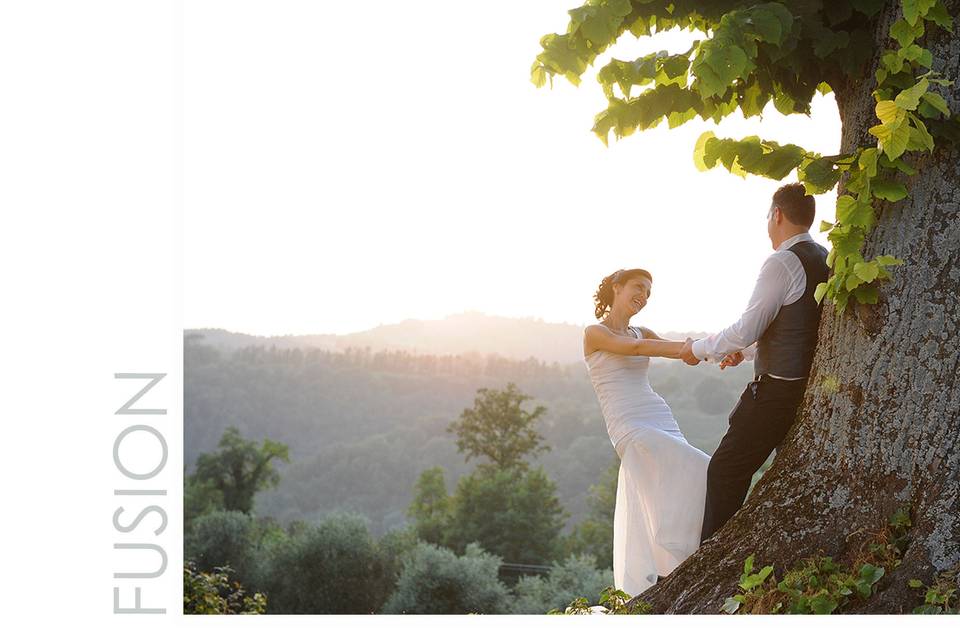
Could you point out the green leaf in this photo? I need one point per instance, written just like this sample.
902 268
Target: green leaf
854 212
699 151
750 154
915 9
936 101
912 52
889 190
754 99
823 604
868 161
820 292
599 23
888 261
866 271
829 41
672 70
730 605
890 112
852 281
726 60
915 584
677 118
871 573
905 33
899 164
919 137
767 25
893 138
939 16
560 55
892 61
538 75
825 226
818 176
908 99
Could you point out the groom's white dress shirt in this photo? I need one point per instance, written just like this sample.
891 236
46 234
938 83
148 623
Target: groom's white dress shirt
781 282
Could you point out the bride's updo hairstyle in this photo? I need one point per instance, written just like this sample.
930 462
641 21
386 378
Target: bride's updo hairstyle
604 295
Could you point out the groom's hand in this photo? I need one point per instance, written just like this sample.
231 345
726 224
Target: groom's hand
686 353
732 359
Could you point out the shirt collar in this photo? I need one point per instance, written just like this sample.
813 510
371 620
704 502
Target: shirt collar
792 240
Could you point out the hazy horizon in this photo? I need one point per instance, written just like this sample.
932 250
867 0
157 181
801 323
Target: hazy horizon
455 314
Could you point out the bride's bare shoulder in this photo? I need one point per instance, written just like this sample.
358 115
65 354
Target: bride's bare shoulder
648 333
590 334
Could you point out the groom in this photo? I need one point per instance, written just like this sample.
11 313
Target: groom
782 318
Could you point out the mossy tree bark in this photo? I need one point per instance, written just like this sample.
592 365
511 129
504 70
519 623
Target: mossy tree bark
879 426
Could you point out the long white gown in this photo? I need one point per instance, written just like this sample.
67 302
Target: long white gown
662 480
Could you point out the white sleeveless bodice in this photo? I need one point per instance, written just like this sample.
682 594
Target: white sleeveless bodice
627 400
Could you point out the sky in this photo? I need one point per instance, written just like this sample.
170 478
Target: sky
355 164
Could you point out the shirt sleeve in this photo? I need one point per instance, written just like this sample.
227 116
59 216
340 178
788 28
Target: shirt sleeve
765 302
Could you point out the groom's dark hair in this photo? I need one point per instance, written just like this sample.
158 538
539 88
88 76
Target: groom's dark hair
795 204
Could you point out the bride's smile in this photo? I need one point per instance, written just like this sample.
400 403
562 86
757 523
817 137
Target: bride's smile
636 293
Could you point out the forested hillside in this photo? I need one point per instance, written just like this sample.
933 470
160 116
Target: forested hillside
361 425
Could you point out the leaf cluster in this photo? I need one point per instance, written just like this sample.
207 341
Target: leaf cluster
941 596
753 54
819 584
612 601
215 593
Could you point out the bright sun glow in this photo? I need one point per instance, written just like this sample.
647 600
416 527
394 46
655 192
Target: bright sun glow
355 164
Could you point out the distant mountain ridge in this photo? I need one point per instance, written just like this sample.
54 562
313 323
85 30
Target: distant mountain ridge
468 332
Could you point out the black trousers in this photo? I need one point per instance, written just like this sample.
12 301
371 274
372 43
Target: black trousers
758 424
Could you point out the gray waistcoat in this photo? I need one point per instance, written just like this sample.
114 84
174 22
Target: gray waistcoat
786 347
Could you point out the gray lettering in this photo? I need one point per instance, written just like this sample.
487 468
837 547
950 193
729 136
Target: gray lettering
116 452
154 379
142 545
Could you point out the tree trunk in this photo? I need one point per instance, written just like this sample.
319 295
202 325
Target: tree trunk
880 420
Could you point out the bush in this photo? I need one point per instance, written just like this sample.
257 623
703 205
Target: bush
200 497
395 545
430 508
510 513
575 577
223 538
435 580
213 593
334 567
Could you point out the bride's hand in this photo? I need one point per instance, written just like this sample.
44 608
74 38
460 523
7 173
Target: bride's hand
686 353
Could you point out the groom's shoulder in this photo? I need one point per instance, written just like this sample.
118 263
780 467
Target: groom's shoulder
814 246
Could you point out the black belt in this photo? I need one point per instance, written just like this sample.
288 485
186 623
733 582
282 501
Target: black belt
767 376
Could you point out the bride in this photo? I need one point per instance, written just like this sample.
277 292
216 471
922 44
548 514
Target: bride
662 480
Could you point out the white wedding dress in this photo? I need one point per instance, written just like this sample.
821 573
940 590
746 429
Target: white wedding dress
662 480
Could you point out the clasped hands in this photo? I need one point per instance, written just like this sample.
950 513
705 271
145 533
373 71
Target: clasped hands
686 354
